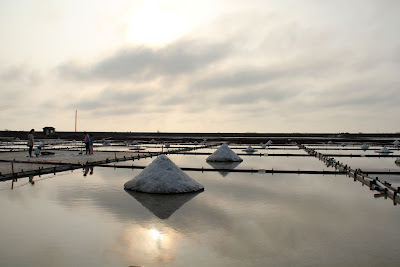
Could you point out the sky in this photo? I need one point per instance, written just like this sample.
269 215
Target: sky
200 66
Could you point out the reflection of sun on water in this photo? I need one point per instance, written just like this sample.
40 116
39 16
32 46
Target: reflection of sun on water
139 244
155 234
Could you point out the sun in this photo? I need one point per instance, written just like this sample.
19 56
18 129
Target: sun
155 24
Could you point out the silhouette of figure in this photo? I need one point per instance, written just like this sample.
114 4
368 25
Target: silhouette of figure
30 141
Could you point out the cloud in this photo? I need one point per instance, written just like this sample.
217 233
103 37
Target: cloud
20 74
113 101
270 94
141 62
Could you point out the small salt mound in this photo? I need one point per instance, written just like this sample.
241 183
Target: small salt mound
167 145
250 149
330 143
364 146
134 142
224 153
269 143
196 143
263 146
396 143
153 141
343 144
384 150
162 176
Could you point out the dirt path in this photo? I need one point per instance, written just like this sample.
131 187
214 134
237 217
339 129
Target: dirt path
24 163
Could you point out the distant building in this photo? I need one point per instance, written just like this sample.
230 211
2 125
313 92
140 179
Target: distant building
49 130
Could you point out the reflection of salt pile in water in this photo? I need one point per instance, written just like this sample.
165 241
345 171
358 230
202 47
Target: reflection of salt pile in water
224 153
384 150
162 176
364 146
162 205
396 143
224 165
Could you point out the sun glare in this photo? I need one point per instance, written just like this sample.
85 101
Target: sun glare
156 235
155 25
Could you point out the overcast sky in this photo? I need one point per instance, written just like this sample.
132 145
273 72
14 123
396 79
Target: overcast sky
200 66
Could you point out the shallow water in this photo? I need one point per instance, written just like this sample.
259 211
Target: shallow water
240 219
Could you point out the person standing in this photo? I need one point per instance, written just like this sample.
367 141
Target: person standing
91 140
86 141
31 141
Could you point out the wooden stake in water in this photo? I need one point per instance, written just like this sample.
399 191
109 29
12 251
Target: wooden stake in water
12 168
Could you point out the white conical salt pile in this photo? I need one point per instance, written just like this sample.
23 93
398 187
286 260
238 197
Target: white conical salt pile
162 176
396 143
224 153
330 143
153 141
269 143
134 142
196 143
364 146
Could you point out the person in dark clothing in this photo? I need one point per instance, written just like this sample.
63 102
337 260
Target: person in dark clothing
86 141
31 141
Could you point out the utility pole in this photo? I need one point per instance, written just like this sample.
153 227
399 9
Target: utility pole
76 115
